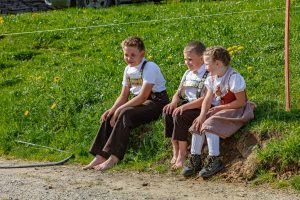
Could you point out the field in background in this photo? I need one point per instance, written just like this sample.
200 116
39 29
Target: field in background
55 84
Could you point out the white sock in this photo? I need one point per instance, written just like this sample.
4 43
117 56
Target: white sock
213 142
197 143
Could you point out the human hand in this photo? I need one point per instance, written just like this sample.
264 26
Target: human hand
178 110
113 121
106 114
114 117
197 123
215 109
168 109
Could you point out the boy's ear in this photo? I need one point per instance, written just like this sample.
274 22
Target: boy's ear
202 59
219 63
143 52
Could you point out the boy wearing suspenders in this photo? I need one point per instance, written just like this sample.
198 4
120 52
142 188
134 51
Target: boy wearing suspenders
186 103
145 81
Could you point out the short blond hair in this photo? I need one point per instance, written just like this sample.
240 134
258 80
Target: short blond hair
133 41
218 53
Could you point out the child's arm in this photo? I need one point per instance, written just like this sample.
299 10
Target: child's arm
206 104
140 98
239 102
168 109
122 99
135 101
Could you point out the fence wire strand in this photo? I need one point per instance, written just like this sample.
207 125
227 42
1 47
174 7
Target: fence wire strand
145 21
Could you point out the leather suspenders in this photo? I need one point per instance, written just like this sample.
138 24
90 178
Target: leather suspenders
199 88
201 84
141 72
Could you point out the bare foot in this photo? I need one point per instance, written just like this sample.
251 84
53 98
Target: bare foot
175 151
173 160
111 161
179 162
96 161
177 165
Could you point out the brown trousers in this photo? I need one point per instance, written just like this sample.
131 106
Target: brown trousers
178 127
114 140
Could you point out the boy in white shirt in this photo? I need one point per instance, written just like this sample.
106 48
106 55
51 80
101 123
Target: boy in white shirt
178 116
145 81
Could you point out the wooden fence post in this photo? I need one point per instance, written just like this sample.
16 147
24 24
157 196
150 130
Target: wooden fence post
286 56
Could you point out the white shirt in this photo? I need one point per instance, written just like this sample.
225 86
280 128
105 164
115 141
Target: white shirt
151 75
190 79
235 84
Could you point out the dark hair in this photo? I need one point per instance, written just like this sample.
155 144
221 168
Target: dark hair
196 47
134 41
218 53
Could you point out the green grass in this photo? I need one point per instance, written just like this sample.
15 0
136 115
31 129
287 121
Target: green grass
65 79
295 183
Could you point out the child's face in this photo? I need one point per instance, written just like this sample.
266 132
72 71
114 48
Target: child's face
192 60
213 66
133 56
210 65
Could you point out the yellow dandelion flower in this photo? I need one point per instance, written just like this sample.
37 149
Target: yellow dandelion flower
229 49
150 57
170 57
240 47
235 47
231 53
53 106
56 79
26 113
250 68
1 20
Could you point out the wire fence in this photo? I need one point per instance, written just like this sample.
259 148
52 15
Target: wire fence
146 21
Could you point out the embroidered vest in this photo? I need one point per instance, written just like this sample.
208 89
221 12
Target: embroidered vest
229 97
139 80
223 91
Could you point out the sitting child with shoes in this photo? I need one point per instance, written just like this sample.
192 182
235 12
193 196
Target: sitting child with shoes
234 110
186 103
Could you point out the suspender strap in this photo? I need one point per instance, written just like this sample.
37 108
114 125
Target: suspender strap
141 71
180 92
142 68
201 84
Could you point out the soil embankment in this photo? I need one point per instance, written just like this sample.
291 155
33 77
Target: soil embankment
70 182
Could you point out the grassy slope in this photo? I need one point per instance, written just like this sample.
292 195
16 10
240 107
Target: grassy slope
87 65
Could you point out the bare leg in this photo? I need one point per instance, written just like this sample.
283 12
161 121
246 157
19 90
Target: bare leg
181 155
96 161
175 151
111 161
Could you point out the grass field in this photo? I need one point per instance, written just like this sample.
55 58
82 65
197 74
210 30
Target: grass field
61 69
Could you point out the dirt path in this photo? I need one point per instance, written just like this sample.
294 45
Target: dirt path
70 182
